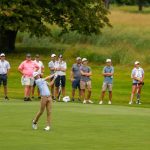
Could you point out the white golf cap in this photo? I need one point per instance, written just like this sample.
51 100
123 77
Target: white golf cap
53 55
35 74
78 58
137 62
84 59
108 60
2 54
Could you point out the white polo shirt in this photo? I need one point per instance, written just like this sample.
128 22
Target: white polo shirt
138 73
4 67
40 64
51 65
63 65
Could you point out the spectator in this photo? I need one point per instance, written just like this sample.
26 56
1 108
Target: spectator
75 77
85 82
26 68
138 81
40 71
108 73
4 70
60 67
51 66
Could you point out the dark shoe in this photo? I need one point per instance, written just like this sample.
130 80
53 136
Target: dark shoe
29 99
6 98
72 99
32 97
39 97
53 98
25 99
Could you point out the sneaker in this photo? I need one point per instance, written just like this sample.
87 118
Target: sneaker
34 125
101 102
39 97
25 99
84 102
29 99
6 98
91 102
47 128
139 103
109 102
32 97
130 102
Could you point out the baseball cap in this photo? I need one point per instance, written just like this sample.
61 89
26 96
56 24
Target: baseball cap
37 55
53 55
137 62
35 74
60 56
84 59
108 60
28 55
78 58
2 54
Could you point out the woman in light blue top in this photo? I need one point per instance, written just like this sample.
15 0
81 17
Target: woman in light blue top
46 101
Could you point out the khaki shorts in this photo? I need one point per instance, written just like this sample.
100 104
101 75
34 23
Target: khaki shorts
84 85
46 98
106 86
27 81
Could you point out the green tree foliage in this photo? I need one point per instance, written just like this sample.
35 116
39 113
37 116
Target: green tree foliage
33 16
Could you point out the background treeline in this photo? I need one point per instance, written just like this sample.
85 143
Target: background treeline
130 2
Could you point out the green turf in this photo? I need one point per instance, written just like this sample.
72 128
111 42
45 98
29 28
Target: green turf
75 126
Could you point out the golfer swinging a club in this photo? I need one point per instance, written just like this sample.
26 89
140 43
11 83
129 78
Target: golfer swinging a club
138 76
46 100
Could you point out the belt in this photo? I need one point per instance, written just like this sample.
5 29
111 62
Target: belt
3 74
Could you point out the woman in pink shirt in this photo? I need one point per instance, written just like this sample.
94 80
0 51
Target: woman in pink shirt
26 68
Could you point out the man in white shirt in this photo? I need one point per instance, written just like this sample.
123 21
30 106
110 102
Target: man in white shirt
51 66
4 69
40 71
60 67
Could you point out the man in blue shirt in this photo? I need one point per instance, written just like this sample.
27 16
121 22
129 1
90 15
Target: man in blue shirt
108 73
46 100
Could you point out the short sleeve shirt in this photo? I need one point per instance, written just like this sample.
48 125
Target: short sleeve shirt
40 64
28 67
76 71
51 65
63 65
85 69
4 67
108 69
138 73
43 87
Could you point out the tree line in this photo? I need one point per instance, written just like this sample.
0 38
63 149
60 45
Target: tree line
139 3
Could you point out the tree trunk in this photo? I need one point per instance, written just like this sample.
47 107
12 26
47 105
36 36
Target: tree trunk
107 2
140 5
7 40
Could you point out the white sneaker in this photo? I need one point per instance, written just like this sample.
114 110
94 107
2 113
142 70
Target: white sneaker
130 102
109 102
47 128
101 102
34 125
84 102
91 102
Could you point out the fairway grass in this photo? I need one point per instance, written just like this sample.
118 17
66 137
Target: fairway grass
74 127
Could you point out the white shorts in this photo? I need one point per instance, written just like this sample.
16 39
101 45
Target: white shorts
27 81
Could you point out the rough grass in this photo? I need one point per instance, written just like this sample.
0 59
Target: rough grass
127 41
